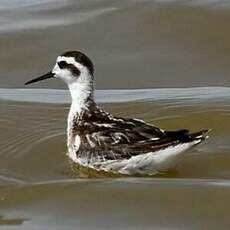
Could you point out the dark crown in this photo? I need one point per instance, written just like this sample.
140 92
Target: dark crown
81 58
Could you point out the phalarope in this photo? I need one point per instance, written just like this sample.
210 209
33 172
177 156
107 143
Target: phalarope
102 141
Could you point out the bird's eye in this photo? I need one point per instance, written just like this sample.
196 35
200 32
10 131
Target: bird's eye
62 64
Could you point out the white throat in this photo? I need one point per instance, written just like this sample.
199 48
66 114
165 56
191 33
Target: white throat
80 94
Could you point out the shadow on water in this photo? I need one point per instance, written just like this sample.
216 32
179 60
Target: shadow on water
11 221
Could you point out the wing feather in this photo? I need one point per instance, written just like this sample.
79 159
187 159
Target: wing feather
114 138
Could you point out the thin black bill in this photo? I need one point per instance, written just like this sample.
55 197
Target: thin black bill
43 77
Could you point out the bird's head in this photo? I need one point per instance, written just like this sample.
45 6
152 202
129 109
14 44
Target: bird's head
71 67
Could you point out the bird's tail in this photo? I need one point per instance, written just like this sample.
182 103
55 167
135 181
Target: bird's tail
184 136
168 159
200 135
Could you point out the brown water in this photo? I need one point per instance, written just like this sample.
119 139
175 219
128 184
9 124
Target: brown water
167 44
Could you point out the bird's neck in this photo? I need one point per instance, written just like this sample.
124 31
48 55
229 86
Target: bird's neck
82 101
82 97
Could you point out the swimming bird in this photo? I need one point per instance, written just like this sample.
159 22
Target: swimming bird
99 140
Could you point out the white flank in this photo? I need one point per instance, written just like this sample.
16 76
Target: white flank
150 163
73 148
77 142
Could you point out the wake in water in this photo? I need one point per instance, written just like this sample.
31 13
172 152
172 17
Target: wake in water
184 95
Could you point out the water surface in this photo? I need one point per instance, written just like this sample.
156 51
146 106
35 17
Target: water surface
175 54
40 189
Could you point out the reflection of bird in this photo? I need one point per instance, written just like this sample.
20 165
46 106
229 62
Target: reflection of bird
99 140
